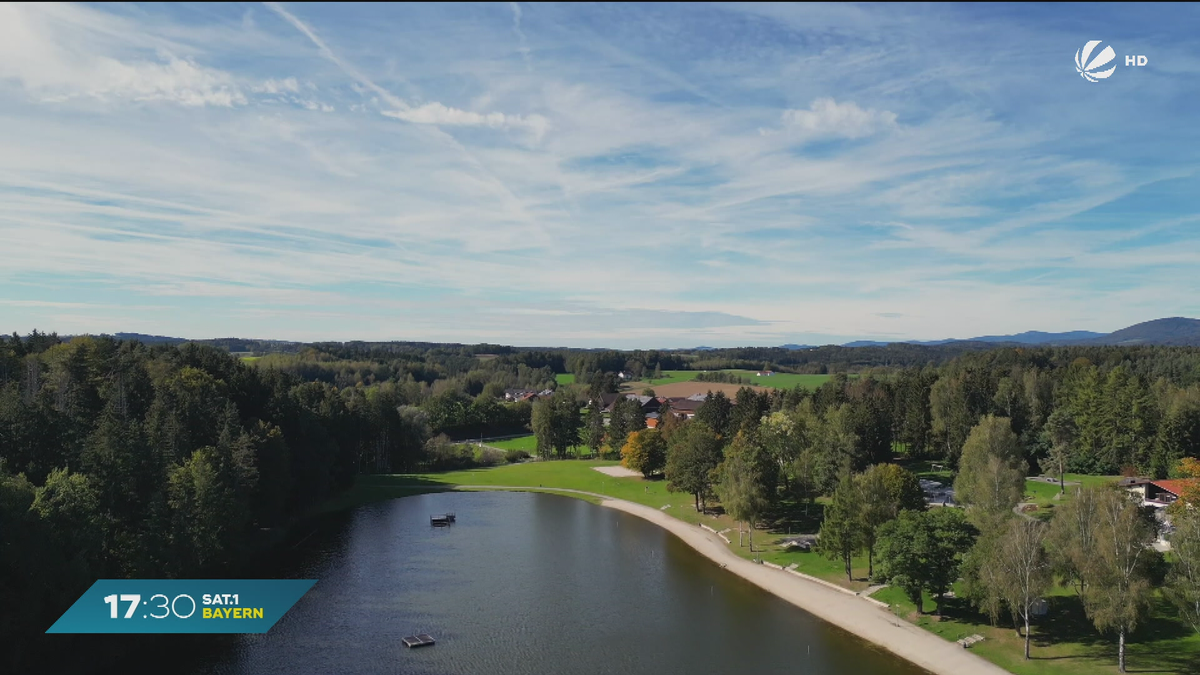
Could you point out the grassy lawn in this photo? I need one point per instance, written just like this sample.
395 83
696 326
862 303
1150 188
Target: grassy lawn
526 443
924 468
571 474
1046 495
565 378
1064 642
784 380
668 377
1087 480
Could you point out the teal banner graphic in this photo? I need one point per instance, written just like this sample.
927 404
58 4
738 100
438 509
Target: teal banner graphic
182 606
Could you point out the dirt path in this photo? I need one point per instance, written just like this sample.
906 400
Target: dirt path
842 609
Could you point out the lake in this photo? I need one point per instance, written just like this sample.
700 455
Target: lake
530 583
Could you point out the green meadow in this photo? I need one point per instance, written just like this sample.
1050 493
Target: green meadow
784 380
526 443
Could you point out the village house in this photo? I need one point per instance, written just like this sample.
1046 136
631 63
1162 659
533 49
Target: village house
1135 484
685 407
1162 493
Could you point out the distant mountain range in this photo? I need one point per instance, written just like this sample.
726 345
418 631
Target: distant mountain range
149 339
1174 331
1177 331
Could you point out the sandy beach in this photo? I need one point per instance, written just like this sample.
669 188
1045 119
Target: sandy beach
617 471
852 613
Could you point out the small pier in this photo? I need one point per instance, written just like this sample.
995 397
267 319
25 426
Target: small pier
414 641
442 520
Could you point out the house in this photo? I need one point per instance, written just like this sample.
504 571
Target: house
649 403
765 373
1163 493
517 394
605 401
1135 484
625 375
684 407
652 420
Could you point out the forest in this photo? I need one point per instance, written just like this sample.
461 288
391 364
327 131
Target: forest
122 459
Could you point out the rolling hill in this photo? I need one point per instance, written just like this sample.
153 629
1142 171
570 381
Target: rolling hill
1176 331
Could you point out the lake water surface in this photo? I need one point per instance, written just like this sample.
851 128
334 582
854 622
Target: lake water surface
530 583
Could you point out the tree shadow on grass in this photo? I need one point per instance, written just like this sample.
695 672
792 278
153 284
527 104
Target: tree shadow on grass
1153 648
792 518
1065 621
401 482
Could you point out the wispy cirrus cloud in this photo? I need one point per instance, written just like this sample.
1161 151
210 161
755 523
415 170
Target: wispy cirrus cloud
438 114
827 117
405 172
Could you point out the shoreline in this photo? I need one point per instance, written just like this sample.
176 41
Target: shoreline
852 613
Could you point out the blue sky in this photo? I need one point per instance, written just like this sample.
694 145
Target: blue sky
599 175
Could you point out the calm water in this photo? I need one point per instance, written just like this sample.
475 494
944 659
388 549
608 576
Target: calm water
529 583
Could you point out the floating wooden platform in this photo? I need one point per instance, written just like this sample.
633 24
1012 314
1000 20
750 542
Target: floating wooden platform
442 520
422 640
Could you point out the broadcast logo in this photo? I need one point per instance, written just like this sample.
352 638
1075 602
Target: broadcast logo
1090 67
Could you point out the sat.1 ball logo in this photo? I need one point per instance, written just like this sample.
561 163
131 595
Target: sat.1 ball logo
1090 69
1090 64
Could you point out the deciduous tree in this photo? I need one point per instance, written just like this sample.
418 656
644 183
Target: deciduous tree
1024 569
741 484
991 474
646 451
924 550
884 491
1183 581
692 454
1118 592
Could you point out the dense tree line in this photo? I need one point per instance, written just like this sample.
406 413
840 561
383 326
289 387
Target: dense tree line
722 376
122 459
119 459
759 452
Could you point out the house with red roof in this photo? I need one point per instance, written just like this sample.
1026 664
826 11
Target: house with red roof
1163 493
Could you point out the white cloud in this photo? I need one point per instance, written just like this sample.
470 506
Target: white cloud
239 214
827 117
278 86
438 114
63 52
522 44
434 113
